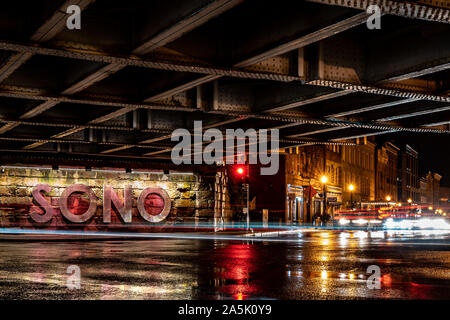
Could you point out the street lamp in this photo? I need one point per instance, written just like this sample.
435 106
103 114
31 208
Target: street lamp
324 180
409 200
388 198
351 188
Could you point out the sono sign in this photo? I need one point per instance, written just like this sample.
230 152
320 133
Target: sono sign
153 204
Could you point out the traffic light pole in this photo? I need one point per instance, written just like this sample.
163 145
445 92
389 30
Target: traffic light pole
324 200
351 199
247 189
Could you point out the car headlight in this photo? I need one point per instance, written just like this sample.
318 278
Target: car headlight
360 221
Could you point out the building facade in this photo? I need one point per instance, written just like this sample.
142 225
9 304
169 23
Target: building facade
408 166
444 199
358 166
307 196
386 172
304 190
376 173
429 189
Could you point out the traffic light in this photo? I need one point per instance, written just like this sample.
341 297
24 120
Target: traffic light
240 171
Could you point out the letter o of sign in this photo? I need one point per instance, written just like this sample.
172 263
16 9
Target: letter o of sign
65 209
141 205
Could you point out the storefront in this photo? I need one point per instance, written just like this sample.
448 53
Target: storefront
294 204
334 199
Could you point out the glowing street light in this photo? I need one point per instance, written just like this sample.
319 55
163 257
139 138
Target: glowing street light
351 187
324 180
409 200
388 198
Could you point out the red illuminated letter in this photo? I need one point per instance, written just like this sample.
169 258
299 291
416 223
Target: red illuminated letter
162 194
124 209
77 218
35 211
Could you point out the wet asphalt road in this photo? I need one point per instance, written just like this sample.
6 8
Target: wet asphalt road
307 265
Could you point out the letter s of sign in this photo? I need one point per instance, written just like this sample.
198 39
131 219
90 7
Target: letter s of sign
74 20
35 212
74 278
374 281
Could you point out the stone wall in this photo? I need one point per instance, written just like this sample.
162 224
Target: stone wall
192 196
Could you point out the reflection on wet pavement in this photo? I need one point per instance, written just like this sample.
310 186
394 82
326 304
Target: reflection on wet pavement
318 265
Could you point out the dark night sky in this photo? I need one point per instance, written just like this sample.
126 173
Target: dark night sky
434 151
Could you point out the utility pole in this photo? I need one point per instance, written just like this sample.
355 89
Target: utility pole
247 190
242 172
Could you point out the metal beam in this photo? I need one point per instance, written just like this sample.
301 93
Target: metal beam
413 114
300 42
377 90
364 135
55 140
405 9
55 24
168 136
200 17
369 108
308 39
303 102
310 143
316 132
289 46
436 123
193 21
97 76
7 127
182 88
27 93
418 73
91 125
36 94
148 63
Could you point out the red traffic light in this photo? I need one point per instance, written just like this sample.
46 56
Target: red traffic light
240 171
